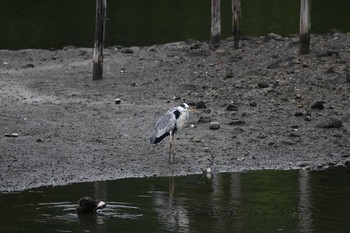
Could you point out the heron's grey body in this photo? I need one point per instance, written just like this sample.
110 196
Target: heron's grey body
172 121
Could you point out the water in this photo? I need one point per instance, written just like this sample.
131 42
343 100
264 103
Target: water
58 23
257 201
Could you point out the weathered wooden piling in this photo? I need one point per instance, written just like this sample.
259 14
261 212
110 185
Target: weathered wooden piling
101 6
215 22
305 24
236 17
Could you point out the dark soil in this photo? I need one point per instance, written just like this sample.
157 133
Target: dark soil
275 108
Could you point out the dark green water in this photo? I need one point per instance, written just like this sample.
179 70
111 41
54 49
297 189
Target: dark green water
58 23
257 201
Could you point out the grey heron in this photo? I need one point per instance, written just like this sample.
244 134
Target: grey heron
167 125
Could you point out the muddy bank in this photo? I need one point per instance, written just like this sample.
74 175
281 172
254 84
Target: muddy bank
275 109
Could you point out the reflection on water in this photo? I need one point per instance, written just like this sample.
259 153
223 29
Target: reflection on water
54 24
257 201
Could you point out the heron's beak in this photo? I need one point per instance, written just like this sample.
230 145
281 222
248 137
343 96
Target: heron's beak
192 109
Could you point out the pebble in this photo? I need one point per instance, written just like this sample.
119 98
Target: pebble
297 114
127 51
253 104
200 105
214 125
275 64
307 118
196 140
237 122
30 65
117 101
344 77
232 107
318 105
203 119
11 135
263 85
274 36
294 134
332 123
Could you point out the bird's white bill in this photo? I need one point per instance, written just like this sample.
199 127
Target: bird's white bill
101 205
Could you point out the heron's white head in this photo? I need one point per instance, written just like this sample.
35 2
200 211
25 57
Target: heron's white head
184 105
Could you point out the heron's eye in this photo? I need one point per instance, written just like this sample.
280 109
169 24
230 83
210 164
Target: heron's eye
183 105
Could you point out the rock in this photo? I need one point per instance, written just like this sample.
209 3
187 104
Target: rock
253 103
237 122
332 123
228 75
196 140
294 134
263 85
297 114
232 107
318 105
307 118
204 119
330 70
273 36
347 163
200 105
214 125
11 135
329 53
344 77
117 101
127 51
29 66
275 64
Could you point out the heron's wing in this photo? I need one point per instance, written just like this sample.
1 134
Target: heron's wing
164 125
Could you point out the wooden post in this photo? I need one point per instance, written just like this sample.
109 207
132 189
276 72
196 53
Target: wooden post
236 17
215 22
101 6
305 24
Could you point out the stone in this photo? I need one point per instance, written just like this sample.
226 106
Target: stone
263 84
237 122
200 105
117 101
196 140
214 125
232 107
318 105
203 119
332 123
275 64
30 65
274 36
127 51
307 118
11 135
253 104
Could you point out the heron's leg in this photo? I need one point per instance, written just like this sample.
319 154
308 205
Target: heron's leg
173 148
170 145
